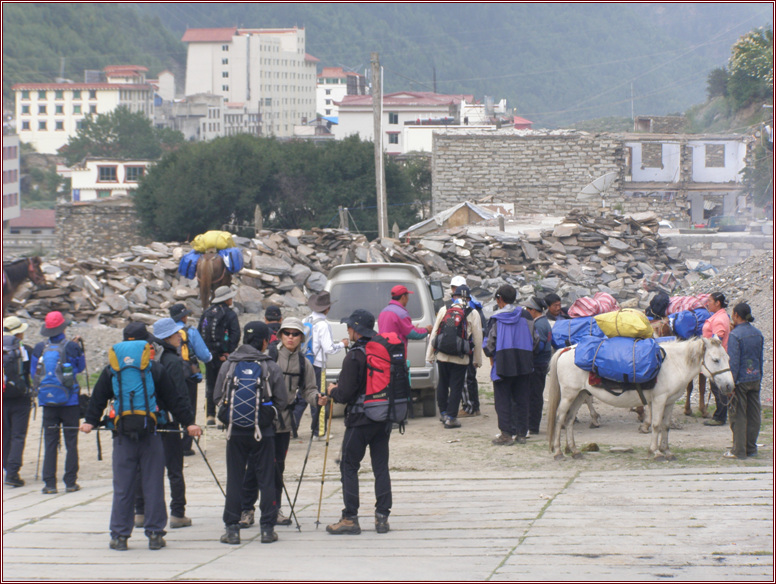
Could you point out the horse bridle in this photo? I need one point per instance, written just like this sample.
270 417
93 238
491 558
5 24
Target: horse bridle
32 273
703 364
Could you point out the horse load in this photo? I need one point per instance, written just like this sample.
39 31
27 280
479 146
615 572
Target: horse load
212 261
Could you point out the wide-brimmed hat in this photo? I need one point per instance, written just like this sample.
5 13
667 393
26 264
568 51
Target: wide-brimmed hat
293 323
320 302
178 311
14 326
361 321
166 327
54 324
223 293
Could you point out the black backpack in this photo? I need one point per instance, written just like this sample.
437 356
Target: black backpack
212 328
452 337
14 384
658 305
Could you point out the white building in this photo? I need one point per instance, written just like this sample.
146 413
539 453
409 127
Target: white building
11 155
265 70
334 83
49 114
100 178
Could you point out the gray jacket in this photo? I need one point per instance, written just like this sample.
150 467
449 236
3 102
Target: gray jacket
275 376
295 383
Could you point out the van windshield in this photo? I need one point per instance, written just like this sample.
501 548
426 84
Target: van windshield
371 296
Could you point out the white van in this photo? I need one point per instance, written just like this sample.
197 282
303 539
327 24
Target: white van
368 286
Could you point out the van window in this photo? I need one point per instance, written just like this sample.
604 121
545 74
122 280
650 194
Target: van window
371 296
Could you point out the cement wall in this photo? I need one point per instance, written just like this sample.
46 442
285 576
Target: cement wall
720 249
99 228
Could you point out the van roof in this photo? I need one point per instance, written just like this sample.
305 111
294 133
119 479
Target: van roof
386 269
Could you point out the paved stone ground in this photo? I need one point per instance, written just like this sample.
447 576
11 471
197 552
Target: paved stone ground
679 524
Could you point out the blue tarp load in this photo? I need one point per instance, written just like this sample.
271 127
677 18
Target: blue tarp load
569 332
620 359
233 259
689 323
188 265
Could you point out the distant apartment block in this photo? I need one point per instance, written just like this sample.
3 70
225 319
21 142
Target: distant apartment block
49 114
334 83
266 72
102 178
11 156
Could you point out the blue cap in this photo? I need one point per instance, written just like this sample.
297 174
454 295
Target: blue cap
166 327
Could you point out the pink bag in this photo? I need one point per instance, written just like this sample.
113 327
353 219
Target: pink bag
600 303
681 303
606 302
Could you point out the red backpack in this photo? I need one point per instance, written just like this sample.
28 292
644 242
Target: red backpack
452 336
387 397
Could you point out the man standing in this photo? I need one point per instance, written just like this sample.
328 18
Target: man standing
745 348
395 318
138 453
360 432
220 329
451 347
509 342
192 350
554 309
470 394
56 362
541 361
17 388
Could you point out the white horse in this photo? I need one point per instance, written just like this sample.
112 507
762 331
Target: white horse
568 386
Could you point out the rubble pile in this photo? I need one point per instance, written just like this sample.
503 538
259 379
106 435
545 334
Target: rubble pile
578 257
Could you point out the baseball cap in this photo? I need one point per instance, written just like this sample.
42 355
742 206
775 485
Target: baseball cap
458 281
361 321
400 290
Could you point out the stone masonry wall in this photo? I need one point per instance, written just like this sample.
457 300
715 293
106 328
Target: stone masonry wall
97 228
720 249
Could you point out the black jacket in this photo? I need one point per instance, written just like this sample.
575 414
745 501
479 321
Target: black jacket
177 370
232 326
352 383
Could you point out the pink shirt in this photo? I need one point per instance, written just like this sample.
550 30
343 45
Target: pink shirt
718 324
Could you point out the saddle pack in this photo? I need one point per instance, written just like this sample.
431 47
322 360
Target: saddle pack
187 267
247 401
689 323
452 337
14 384
54 379
135 411
627 322
571 331
233 259
620 359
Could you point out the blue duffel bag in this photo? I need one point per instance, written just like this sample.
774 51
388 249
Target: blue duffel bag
188 265
620 359
689 323
570 332
233 259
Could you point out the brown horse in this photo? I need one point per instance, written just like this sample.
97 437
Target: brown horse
211 273
18 271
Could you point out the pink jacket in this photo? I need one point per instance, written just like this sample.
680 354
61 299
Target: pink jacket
394 318
718 324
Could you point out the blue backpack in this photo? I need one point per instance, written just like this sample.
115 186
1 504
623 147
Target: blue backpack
620 359
233 259
309 323
54 379
135 407
247 402
188 265
571 331
689 323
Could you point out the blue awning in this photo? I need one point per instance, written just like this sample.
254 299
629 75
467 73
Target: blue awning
332 119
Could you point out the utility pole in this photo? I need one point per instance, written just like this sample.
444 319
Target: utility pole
377 109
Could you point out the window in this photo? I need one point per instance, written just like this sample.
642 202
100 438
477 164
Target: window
328 112
103 194
267 101
79 124
76 94
106 174
25 125
59 125
224 61
328 92
59 94
393 138
41 109
92 109
328 102
715 156
224 88
224 47
652 155
25 94
225 74
92 94
25 109
42 126
59 109
41 95
77 109
393 118
133 173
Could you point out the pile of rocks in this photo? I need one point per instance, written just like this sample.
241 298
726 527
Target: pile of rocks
578 257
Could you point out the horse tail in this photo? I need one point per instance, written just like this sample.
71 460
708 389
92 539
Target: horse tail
553 386
205 277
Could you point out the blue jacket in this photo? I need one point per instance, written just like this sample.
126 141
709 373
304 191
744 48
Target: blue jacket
74 356
745 349
543 350
510 341
198 344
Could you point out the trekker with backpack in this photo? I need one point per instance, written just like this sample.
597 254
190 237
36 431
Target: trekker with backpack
273 317
220 329
509 342
166 346
250 392
192 350
363 427
17 394
133 381
457 335
470 393
56 362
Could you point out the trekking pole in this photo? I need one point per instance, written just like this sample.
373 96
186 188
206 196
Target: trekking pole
40 445
288 498
323 474
89 393
196 441
301 475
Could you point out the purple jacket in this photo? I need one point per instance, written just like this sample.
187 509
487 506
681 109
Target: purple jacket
510 341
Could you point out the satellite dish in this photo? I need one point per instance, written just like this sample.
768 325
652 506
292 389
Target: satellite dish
598 188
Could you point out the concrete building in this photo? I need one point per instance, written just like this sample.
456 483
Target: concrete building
334 83
49 114
101 178
265 70
34 230
11 165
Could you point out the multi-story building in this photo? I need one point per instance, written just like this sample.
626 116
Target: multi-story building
49 114
11 201
100 178
334 83
265 71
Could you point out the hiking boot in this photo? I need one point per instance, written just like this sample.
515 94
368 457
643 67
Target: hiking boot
344 526
729 454
452 423
713 422
49 490
156 541
139 520
246 519
268 535
442 417
381 523
464 414
73 488
282 519
176 522
211 421
520 440
119 543
503 439
231 535
189 452
13 481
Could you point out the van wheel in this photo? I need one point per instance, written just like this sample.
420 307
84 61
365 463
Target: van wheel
429 406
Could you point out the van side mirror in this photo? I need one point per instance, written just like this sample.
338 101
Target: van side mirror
437 294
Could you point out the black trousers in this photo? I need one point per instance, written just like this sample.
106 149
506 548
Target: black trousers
250 492
212 368
192 385
53 418
138 461
449 387
240 449
172 445
470 396
721 412
745 418
536 397
16 419
315 411
510 396
376 436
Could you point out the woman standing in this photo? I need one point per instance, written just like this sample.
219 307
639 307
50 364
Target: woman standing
717 325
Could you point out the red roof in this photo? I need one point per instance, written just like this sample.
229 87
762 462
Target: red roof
519 120
308 57
407 98
332 72
209 35
77 86
116 69
34 219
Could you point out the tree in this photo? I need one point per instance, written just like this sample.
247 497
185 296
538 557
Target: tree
119 134
758 176
751 67
716 83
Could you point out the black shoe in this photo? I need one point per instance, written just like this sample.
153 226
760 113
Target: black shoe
119 543
189 452
73 488
49 490
14 481
381 523
231 535
156 541
268 535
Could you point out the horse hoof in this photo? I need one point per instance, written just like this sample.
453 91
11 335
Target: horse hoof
669 457
659 456
706 414
577 456
559 456
595 425
645 429
568 450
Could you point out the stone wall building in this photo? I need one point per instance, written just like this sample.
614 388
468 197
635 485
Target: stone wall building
97 228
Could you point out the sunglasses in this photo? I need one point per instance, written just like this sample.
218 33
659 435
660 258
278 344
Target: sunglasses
291 333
